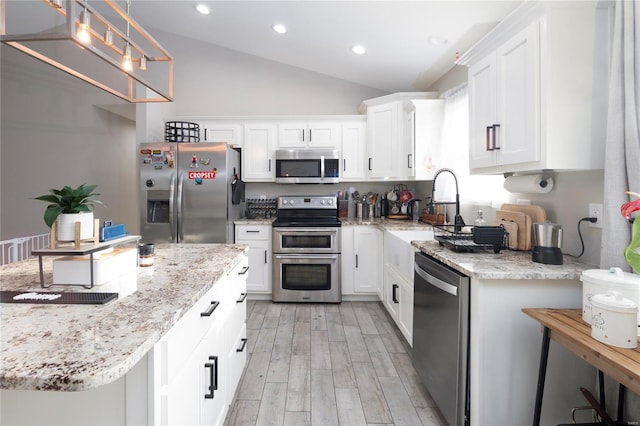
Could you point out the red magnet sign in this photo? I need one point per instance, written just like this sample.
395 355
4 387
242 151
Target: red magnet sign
203 175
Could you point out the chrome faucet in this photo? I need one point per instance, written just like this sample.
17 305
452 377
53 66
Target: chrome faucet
458 221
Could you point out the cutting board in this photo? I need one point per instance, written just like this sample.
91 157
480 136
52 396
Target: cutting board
512 229
536 213
524 226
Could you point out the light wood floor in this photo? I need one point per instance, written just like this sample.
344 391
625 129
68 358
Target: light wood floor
325 364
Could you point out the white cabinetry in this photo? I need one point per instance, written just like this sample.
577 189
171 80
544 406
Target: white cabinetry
537 92
194 376
316 134
258 238
383 143
423 120
402 136
354 151
222 131
361 260
258 164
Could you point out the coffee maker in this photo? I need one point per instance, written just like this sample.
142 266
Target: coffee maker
547 246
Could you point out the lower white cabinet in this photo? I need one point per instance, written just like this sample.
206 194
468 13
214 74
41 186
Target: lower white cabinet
258 238
361 260
198 363
398 299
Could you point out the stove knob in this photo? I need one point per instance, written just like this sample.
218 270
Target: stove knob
322 202
284 202
330 202
291 202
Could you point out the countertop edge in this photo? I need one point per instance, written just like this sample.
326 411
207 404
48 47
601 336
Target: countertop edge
105 372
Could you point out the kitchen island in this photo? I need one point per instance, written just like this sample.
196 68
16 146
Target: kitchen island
108 352
504 344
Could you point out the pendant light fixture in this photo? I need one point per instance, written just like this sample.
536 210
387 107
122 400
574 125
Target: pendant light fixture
106 61
84 27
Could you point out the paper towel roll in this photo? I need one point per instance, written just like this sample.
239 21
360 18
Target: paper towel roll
528 184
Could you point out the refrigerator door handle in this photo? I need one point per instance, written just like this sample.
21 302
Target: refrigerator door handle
172 220
179 208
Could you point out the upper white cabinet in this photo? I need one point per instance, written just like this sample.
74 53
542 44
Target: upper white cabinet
320 134
258 162
221 131
423 120
401 134
354 151
538 91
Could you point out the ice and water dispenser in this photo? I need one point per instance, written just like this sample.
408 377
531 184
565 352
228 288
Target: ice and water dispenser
157 206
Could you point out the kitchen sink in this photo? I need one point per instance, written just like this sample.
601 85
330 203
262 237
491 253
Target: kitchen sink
413 235
398 251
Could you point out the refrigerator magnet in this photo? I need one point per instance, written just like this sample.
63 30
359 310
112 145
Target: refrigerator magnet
205 161
194 162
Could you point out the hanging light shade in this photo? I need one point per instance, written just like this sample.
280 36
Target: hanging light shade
108 37
84 27
105 61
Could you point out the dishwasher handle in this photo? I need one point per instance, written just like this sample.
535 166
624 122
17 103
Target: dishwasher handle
436 282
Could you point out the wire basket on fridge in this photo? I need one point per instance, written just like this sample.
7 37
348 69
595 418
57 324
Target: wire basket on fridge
181 131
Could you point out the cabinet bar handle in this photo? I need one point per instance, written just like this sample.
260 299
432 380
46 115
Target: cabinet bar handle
265 257
243 270
212 307
309 135
410 161
488 138
213 376
243 296
356 260
370 163
302 135
394 295
269 164
344 165
252 231
205 134
242 345
496 145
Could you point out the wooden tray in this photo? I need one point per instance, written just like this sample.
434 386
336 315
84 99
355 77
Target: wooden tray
398 216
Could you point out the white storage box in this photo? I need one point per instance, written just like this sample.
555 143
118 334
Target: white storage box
107 265
600 281
614 320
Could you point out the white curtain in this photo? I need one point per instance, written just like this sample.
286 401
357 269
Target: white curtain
622 157
478 190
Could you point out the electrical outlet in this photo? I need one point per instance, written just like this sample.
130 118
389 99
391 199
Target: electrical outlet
595 210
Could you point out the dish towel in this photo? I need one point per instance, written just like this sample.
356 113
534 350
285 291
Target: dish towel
237 190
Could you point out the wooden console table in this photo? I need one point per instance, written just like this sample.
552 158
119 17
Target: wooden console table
566 327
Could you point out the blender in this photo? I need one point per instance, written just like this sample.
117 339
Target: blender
547 243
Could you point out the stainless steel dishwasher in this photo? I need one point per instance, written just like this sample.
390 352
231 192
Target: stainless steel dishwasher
441 336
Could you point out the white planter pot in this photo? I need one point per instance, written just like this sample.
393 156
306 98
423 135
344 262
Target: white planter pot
66 224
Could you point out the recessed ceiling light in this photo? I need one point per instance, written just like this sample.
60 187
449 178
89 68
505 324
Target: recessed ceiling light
279 28
203 8
437 40
358 49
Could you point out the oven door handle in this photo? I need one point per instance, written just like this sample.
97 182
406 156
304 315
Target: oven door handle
436 282
306 256
307 231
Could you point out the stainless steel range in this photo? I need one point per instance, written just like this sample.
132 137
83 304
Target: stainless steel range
306 250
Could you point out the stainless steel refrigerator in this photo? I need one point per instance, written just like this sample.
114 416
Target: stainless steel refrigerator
185 192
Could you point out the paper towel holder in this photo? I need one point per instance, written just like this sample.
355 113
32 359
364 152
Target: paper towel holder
536 182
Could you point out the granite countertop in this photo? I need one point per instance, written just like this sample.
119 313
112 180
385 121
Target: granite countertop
80 347
384 224
508 264
256 221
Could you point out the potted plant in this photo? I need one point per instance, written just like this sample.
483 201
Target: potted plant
68 206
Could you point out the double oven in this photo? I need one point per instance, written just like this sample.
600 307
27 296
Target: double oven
306 248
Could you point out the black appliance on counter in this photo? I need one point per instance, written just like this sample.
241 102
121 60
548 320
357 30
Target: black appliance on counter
306 247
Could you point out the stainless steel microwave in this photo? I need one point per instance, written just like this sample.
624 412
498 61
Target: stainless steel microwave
307 166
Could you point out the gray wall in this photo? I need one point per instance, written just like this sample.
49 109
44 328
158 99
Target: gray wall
52 136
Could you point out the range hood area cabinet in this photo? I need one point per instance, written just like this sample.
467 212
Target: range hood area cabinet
538 89
411 121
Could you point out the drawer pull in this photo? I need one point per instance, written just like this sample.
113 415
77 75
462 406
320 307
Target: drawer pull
243 296
394 295
242 345
244 270
251 231
213 376
212 307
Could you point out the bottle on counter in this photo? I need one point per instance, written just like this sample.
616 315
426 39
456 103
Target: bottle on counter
384 206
